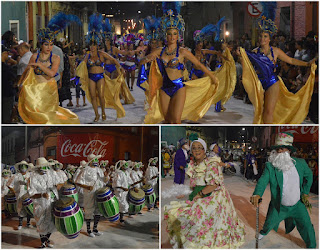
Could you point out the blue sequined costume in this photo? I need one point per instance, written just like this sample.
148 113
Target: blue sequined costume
95 76
39 71
170 87
264 68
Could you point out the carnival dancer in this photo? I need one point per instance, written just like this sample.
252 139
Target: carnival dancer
18 184
152 27
141 48
208 218
91 179
265 89
120 184
41 191
152 177
290 181
90 72
38 98
180 161
167 81
109 66
131 60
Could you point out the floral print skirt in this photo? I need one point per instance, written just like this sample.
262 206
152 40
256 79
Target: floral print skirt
209 222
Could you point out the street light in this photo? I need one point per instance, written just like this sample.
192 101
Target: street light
227 33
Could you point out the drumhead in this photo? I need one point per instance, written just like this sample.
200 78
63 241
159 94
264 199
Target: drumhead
64 202
102 190
25 196
137 195
68 186
146 186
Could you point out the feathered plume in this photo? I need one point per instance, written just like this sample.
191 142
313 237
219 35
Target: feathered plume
269 10
95 28
174 6
267 17
60 21
210 29
107 29
152 26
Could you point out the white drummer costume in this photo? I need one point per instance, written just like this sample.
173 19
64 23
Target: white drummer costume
41 187
151 173
121 180
136 175
91 176
18 183
79 189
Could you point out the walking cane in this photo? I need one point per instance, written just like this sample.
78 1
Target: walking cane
257 224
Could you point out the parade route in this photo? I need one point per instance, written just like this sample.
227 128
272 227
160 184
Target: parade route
240 191
138 232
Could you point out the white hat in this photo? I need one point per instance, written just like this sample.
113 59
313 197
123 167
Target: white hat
83 163
104 161
212 146
203 143
41 162
91 157
22 163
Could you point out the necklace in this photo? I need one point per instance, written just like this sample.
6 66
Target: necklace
43 61
171 53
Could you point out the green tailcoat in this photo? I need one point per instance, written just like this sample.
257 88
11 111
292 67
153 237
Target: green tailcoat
274 177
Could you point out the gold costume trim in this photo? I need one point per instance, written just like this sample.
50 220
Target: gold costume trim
290 108
39 102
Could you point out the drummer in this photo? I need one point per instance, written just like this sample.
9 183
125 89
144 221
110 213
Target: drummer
41 186
5 176
79 189
136 175
91 179
121 183
61 175
151 175
18 185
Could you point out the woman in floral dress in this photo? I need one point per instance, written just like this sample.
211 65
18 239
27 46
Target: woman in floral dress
208 218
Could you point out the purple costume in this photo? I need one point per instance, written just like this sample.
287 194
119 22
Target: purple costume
179 160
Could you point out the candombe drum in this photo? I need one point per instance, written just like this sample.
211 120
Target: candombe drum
150 195
27 204
69 190
108 204
10 203
68 217
136 200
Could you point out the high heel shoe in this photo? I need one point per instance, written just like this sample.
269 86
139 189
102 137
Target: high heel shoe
97 118
104 117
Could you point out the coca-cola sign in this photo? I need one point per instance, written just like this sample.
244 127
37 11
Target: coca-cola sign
73 148
301 133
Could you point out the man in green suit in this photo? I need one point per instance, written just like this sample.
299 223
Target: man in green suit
290 180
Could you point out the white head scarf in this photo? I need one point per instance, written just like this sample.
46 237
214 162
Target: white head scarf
203 143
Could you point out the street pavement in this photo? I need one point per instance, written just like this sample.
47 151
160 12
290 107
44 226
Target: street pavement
240 191
138 232
237 112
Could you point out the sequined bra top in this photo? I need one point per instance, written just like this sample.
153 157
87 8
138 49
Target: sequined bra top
39 71
131 58
173 63
97 63
271 51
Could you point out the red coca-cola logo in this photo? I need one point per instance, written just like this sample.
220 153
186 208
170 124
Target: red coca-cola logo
96 147
76 147
301 133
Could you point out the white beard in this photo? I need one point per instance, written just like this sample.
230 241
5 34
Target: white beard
281 161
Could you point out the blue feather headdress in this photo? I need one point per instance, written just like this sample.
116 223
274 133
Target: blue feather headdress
95 29
171 18
267 17
57 24
107 29
153 28
210 29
